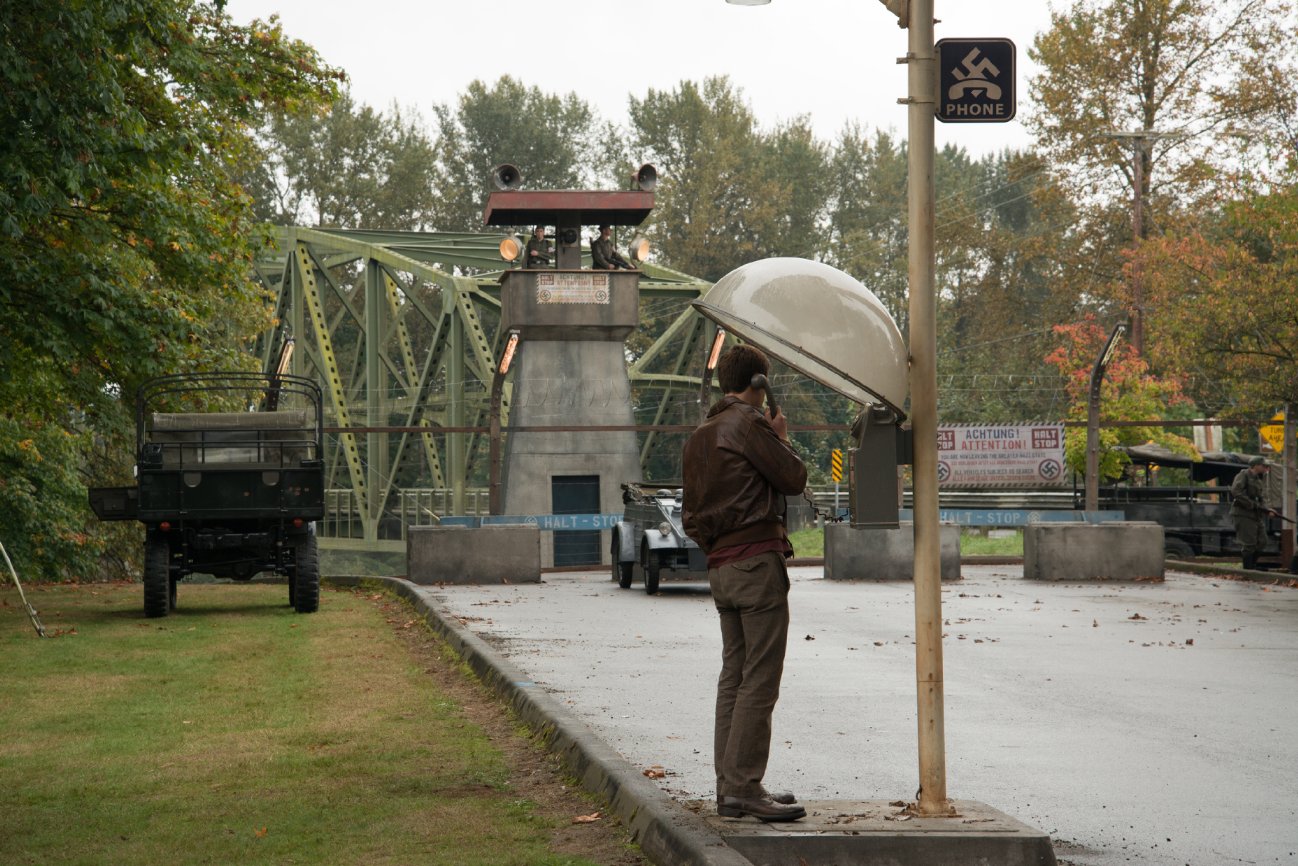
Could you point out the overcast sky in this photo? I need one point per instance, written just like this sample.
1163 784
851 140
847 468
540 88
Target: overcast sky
833 60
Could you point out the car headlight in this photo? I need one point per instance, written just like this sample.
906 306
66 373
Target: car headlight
665 528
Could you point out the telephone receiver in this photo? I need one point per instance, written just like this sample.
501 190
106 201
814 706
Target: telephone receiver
762 383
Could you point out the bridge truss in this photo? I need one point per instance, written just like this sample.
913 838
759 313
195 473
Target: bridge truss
401 331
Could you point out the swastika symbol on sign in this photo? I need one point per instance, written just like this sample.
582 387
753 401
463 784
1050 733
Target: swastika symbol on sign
1050 469
975 76
943 471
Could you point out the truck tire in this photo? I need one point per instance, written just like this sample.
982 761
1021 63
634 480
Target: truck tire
1175 548
305 579
171 593
652 571
157 579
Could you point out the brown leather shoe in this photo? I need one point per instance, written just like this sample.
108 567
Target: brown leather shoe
785 797
761 808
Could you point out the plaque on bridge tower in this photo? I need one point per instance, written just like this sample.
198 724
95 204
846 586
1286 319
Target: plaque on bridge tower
570 305
569 288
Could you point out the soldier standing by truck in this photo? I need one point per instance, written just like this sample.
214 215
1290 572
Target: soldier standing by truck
1248 509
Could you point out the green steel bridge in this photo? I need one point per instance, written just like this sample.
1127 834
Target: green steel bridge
401 330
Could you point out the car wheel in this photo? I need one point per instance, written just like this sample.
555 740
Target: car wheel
1175 548
305 580
652 572
157 578
621 570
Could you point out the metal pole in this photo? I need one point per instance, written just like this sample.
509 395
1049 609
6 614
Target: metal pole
494 503
923 405
1288 488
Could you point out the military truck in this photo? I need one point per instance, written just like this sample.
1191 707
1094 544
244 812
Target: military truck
231 488
650 536
1195 516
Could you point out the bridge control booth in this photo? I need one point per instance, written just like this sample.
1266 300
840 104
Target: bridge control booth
569 374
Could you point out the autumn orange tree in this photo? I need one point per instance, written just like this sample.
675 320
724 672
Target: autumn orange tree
1225 302
1130 392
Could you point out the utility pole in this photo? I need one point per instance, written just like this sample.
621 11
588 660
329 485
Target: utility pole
1140 156
1290 507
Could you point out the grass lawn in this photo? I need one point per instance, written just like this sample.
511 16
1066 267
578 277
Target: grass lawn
236 731
811 543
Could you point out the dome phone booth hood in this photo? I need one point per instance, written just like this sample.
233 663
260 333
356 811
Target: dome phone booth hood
826 325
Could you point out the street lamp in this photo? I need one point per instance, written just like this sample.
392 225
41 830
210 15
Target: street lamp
916 16
1093 418
493 416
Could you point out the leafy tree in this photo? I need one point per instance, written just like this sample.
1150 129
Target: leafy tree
554 140
1129 392
350 167
716 208
1224 296
798 164
868 234
1005 248
1171 68
125 243
1157 101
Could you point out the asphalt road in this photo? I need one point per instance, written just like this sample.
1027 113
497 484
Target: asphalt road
1136 723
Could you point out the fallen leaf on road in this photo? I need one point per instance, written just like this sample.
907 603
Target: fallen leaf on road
655 772
810 637
1136 616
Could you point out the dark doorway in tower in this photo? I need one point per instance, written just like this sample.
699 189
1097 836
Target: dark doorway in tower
575 494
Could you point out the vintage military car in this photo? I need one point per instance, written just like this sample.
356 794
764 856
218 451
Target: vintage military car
226 493
650 536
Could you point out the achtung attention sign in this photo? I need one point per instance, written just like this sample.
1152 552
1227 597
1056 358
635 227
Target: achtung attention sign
977 455
975 80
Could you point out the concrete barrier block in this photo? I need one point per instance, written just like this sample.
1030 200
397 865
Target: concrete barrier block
884 554
1126 550
507 553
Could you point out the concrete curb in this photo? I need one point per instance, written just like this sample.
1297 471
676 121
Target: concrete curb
1233 572
668 834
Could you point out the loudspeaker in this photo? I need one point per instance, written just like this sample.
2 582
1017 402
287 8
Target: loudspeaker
646 178
507 177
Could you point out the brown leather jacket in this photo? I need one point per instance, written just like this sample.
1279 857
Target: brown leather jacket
737 473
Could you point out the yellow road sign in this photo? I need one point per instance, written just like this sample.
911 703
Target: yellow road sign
836 464
1274 433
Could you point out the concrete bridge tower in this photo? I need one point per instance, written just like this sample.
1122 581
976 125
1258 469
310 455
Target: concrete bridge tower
571 368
